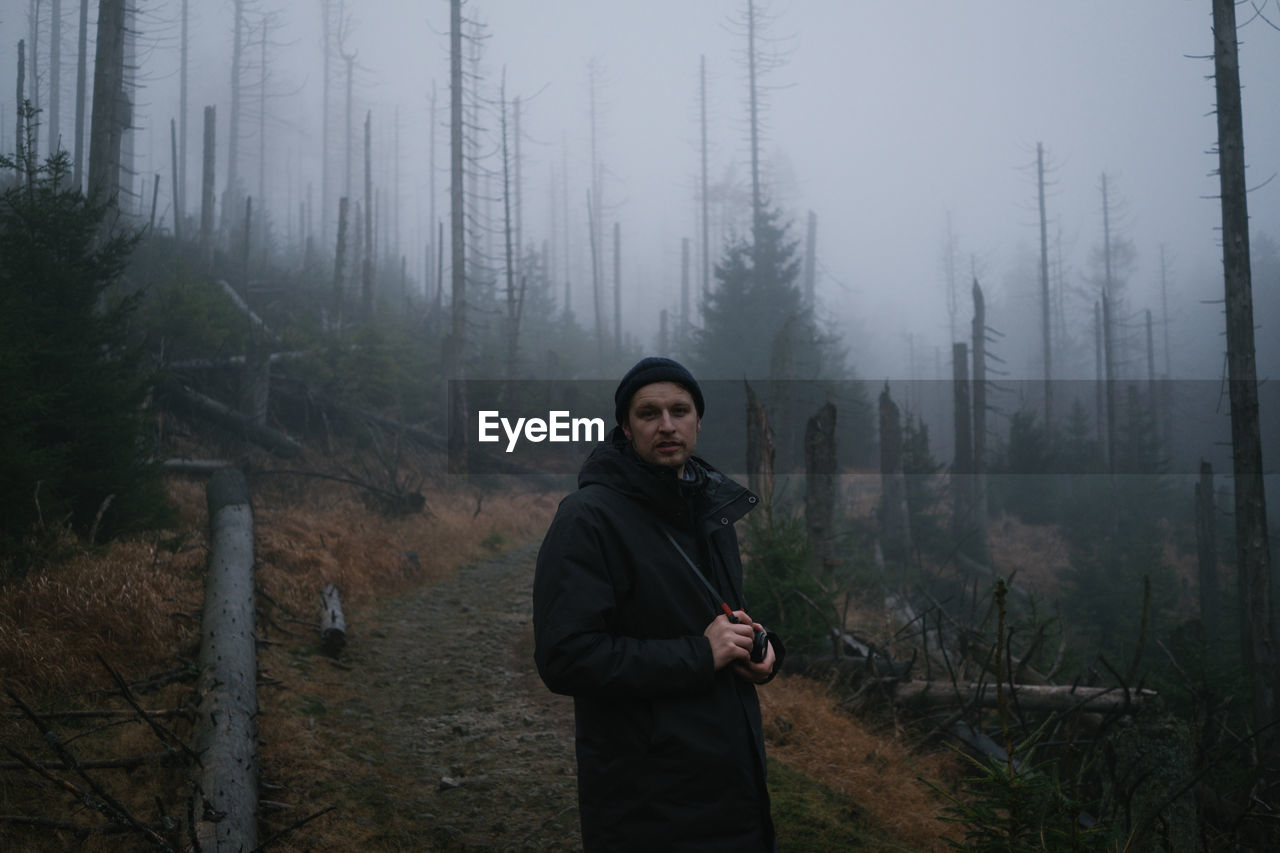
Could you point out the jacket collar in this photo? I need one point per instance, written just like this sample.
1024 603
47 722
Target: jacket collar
712 497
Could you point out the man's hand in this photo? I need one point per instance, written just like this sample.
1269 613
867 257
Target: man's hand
730 642
756 673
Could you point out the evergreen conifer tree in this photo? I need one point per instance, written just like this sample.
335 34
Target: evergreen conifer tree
72 428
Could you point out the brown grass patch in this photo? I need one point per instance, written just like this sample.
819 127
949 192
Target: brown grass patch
1037 553
138 603
877 771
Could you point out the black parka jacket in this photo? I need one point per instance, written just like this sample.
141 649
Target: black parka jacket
670 751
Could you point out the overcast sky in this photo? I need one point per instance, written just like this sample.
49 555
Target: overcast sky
885 119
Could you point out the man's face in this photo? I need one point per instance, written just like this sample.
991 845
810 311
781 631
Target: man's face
662 424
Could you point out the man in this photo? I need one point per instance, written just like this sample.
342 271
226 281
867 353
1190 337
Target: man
630 596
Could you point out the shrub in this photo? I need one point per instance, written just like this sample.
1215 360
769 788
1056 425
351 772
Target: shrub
72 432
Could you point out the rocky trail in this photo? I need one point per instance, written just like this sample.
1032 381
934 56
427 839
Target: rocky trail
465 748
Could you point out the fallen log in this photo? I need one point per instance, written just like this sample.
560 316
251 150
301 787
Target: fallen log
239 302
333 625
222 414
226 734
194 466
231 361
1029 697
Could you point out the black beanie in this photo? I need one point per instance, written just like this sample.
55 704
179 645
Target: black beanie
650 370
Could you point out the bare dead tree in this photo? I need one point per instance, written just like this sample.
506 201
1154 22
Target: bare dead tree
1253 549
979 550
1046 337
111 107
207 183
55 76
366 269
703 198
454 345
515 300
82 73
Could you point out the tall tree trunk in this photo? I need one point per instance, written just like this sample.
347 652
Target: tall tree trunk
207 183
340 263
231 192
326 119
262 114
173 156
20 134
617 290
759 451
706 218
1099 377
1109 379
513 312
962 465
811 258
366 268
980 551
820 491
1207 551
455 346
595 204
1045 325
682 337
592 215
753 105
82 74
180 194
518 190
33 130
432 281
110 103
1253 554
55 77
895 518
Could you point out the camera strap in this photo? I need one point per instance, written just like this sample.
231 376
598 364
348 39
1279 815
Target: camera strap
694 566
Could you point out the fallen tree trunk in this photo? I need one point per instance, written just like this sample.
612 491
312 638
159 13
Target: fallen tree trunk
239 302
231 361
210 409
226 736
333 625
1029 697
195 466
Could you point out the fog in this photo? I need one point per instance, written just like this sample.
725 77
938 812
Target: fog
897 125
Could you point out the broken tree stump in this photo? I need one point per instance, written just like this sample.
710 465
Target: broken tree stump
226 736
333 625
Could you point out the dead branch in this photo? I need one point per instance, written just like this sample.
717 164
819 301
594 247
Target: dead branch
128 762
290 828
109 806
170 740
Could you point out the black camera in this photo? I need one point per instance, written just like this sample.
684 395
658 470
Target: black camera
759 646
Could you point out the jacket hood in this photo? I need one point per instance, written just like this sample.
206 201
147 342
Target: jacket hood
615 465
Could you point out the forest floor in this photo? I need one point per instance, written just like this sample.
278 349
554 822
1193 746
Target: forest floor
432 730
448 739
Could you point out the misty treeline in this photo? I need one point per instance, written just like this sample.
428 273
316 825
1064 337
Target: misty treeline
296 315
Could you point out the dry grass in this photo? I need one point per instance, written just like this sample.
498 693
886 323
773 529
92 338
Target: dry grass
873 769
1037 554
137 603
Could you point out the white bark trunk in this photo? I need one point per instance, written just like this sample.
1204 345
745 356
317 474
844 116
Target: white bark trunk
227 730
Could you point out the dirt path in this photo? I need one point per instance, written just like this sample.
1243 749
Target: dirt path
444 694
